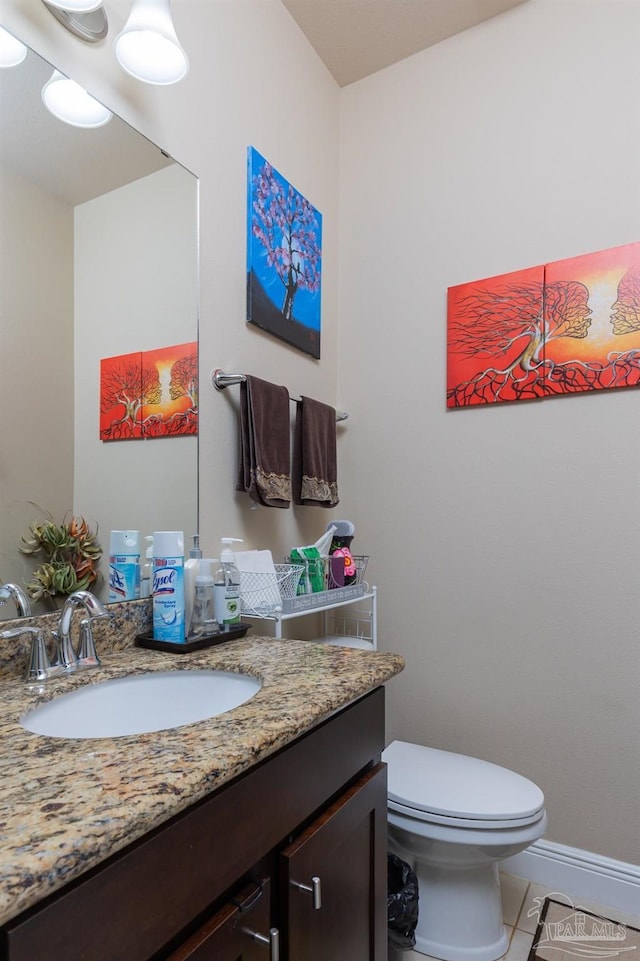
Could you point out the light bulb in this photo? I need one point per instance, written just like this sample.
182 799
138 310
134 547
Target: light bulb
69 102
148 47
12 52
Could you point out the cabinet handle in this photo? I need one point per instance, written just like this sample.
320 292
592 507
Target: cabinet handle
273 941
314 890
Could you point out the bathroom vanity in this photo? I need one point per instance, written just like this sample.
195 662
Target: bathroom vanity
257 833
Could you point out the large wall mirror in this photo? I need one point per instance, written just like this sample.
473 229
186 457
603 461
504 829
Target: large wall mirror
98 258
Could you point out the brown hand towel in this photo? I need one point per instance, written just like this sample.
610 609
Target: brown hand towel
315 480
265 455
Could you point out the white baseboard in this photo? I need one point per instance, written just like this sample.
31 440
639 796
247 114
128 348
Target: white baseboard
580 874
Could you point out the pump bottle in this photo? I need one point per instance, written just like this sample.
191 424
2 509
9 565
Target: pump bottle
226 588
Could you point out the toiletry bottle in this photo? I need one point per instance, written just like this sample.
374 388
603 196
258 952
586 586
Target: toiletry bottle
341 548
146 577
227 588
203 621
191 568
124 566
168 586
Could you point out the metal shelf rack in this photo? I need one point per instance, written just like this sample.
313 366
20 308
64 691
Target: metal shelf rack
343 623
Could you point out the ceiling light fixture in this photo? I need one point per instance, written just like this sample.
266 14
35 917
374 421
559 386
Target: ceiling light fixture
148 47
85 19
68 101
12 52
75 6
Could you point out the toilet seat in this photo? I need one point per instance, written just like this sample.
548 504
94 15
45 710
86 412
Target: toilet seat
453 789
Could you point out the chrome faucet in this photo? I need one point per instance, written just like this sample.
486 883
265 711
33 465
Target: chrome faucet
18 596
39 668
86 656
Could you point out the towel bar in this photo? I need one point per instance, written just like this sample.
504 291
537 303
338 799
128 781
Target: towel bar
220 380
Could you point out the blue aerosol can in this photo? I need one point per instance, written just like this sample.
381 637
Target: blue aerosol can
124 566
168 586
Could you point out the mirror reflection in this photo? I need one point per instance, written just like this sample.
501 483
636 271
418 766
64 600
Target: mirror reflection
98 260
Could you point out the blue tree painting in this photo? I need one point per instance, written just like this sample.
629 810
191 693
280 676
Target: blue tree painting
284 258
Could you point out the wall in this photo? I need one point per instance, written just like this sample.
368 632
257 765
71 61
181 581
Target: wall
504 540
36 284
136 281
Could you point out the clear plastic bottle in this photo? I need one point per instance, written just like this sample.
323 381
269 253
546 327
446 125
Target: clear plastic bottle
146 577
227 587
203 621
191 568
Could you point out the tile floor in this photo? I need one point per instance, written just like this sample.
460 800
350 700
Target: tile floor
517 900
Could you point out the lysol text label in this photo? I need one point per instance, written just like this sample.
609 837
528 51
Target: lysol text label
164 581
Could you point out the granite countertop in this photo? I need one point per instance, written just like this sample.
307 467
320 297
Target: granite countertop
66 805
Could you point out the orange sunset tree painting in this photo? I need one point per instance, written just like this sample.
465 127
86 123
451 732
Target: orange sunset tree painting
151 393
566 327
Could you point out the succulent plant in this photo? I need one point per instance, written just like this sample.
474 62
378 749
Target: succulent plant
71 552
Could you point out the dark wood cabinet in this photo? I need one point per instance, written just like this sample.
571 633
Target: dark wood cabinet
237 865
239 931
331 881
334 879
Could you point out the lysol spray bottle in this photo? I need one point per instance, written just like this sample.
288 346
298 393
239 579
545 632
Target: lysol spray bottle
124 566
168 586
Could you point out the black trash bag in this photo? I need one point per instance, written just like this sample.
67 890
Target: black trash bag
402 903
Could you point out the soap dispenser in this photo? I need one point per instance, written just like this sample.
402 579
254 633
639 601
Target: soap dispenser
227 587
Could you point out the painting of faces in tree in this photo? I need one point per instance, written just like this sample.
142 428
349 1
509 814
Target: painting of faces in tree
563 328
151 393
284 258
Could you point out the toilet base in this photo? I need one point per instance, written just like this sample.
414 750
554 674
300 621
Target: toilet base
460 913
446 953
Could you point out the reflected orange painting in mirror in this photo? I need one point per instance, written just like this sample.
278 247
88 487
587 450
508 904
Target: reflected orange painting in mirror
566 327
151 393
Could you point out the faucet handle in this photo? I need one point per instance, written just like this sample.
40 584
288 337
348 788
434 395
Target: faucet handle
39 668
87 654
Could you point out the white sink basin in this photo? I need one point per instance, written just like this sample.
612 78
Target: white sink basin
141 703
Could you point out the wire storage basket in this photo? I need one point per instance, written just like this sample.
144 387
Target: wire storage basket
329 573
262 592
335 577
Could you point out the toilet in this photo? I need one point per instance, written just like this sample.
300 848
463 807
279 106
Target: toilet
454 818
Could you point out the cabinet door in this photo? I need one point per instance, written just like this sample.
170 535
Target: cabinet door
230 935
345 851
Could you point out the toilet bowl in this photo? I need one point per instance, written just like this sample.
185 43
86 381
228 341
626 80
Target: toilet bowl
454 818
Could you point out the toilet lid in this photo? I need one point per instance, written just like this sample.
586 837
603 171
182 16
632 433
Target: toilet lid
456 786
